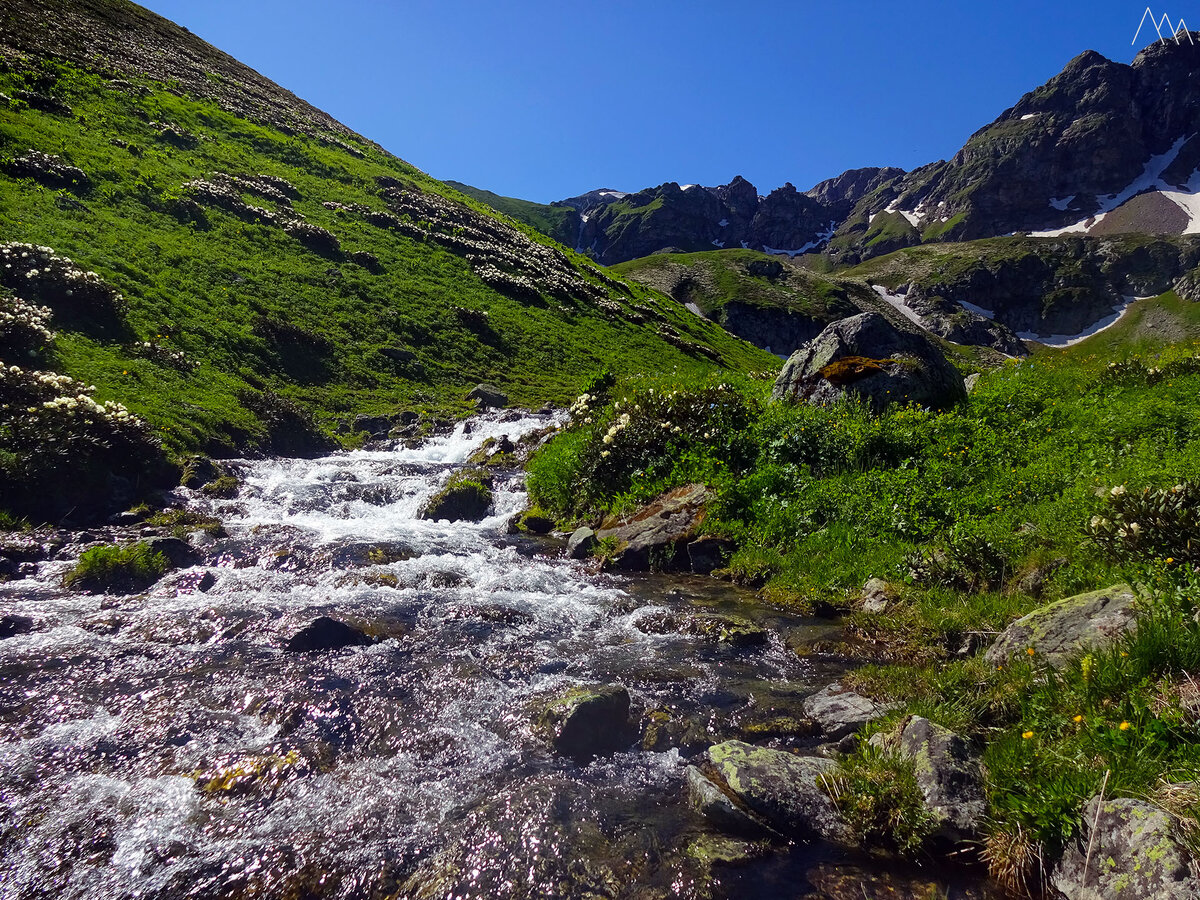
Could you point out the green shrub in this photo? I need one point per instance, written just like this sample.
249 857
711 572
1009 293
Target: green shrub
1155 524
115 569
877 793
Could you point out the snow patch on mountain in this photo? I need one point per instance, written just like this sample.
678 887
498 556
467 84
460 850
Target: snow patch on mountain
1150 179
1066 340
897 302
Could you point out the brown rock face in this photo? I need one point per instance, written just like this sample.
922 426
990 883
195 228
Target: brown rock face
657 535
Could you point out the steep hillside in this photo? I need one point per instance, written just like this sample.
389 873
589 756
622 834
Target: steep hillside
266 265
561 223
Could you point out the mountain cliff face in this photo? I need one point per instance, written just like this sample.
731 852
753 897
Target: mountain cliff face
1103 148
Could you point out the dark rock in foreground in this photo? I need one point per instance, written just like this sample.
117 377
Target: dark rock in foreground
467 496
588 721
326 634
868 358
12 625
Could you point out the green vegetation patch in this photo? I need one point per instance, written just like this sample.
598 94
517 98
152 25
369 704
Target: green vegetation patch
118 570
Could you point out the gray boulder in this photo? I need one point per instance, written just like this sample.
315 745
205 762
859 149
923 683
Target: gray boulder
657 535
1135 853
840 712
947 772
1056 632
876 595
581 543
488 397
587 721
779 792
867 357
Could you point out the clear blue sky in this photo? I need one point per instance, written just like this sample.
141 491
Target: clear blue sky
545 99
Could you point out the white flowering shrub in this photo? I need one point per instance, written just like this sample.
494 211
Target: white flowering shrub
24 328
163 355
59 446
43 277
1153 525
650 433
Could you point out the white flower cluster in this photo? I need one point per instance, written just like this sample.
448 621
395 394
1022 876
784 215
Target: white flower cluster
23 326
581 407
35 397
40 271
617 427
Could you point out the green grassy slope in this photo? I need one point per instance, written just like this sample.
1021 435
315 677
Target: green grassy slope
254 309
558 222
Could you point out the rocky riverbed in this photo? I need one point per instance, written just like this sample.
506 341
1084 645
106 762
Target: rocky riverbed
337 698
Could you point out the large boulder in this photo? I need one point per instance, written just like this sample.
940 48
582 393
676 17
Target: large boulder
1056 632
867 357
841 712
772 790
657 535
947 773
587 721
466 496
1127 849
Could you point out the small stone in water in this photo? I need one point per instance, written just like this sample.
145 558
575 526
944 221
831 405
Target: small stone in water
325 633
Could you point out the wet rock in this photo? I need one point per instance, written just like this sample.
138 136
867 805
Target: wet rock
657 535
488 397
325 633
536 523
1056 632
868 358
713 627
947 772
706 554
581 543
177 551
1135 852
11 625
666 729
588 721
467 496
840 712
877 595
715 805
782 792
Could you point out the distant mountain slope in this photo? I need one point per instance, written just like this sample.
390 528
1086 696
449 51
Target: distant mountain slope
1102 148
263 250
561 223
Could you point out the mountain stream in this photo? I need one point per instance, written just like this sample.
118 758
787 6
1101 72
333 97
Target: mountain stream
167 745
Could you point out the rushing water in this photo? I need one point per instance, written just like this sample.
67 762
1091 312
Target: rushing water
166 745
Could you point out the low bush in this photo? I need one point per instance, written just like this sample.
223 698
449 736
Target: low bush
115 569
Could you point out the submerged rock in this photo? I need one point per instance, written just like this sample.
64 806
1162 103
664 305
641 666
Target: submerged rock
325 633
1056 632
777 792
868 358
12 625
1135 851
840 712
587 721
657 535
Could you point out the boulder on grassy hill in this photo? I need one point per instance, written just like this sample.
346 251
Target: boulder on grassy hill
947 773
1056 632
867 357
1127 849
